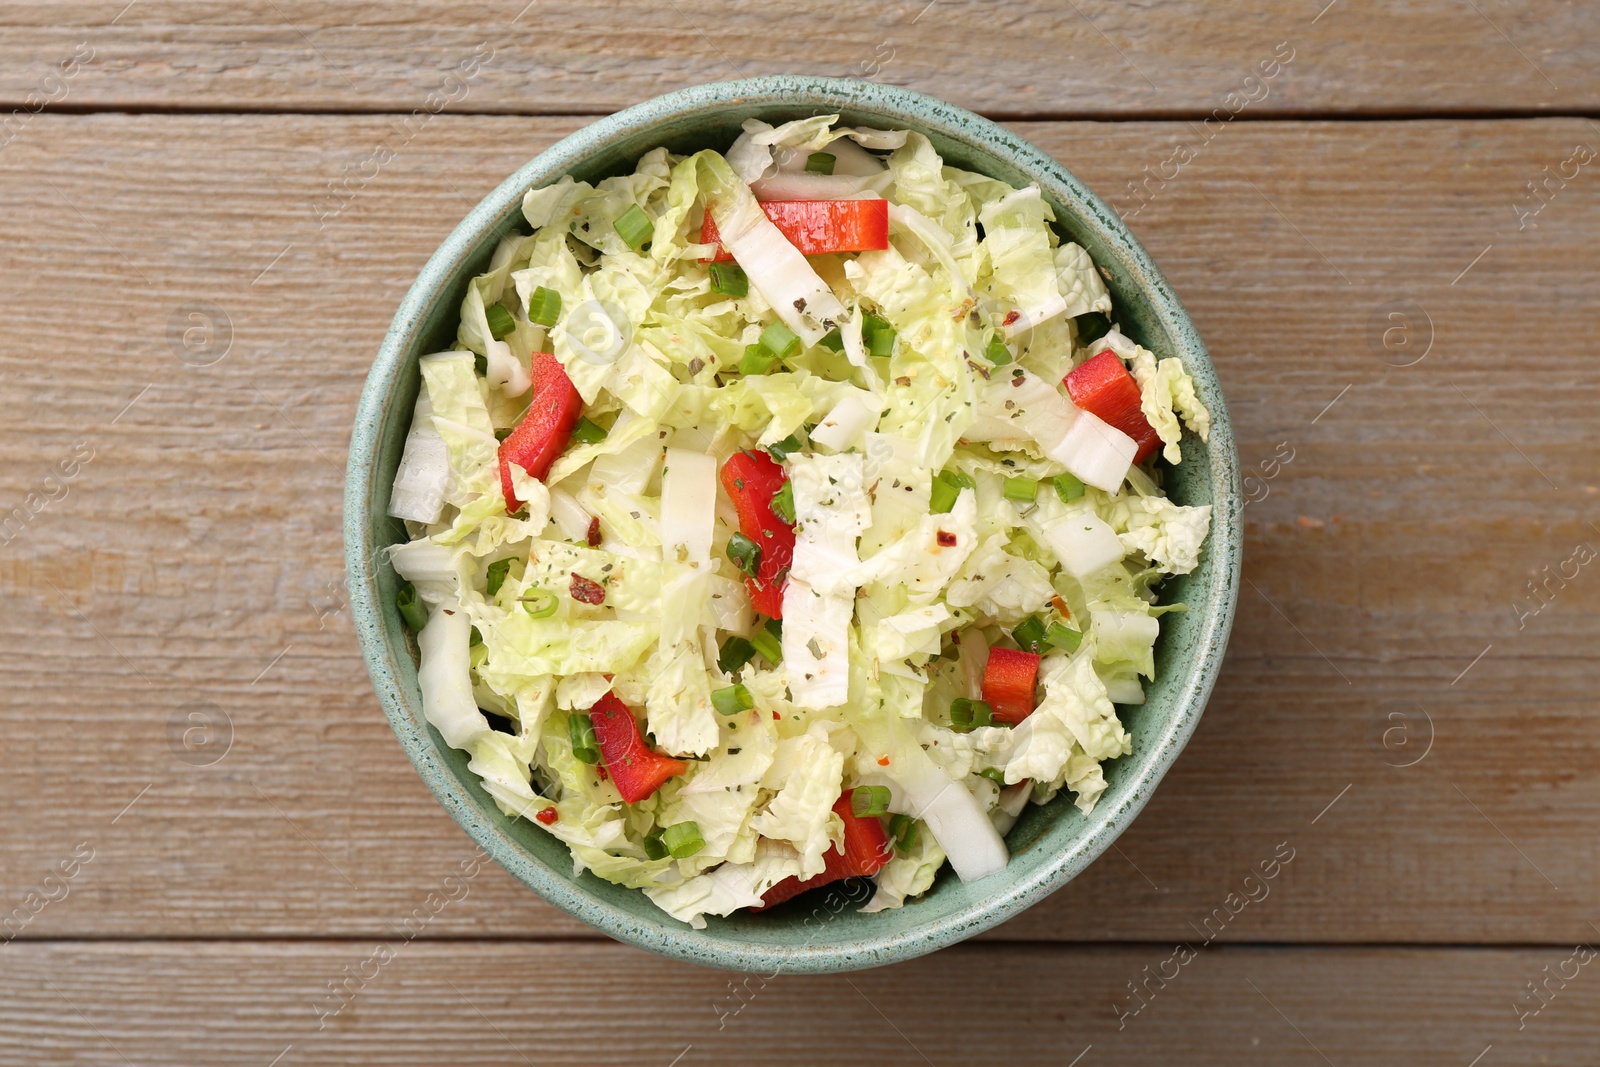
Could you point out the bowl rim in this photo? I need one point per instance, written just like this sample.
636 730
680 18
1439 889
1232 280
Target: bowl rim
929 115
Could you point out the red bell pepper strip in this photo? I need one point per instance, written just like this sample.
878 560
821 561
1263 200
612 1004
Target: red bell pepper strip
817 227
866 849
751 479
546 428
1008 683
636 768
1103 386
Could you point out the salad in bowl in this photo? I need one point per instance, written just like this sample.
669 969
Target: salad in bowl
790 514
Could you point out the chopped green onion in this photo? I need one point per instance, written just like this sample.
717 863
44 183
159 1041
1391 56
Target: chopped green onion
544 307
540 603
729 279
1063 637
781 450
756 360
634 227
867 801
580 731
495 576
997 352
736 652
683 840
769 641
947 485
878 334
500 321
732 699
995 775
1068 488
1092 325
745 554
504 432
480 364
820 163
782 504
967 714
653 846
1024 490
412 610
1029 633
476 639
588 432
832 341
903 829
781 341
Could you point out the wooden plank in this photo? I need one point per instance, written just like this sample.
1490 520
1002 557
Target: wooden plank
195 560
427 1003
1009 58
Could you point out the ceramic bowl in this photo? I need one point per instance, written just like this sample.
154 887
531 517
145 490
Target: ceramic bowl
1050 844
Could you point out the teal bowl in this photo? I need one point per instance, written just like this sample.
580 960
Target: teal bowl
1050 844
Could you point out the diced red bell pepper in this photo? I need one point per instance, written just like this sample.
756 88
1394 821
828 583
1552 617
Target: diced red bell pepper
546 428
866 850
751 479
1008 683
817 227
636 768
1103 386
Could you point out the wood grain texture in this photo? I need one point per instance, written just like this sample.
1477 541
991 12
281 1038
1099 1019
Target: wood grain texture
195 560
1028 58
589 1003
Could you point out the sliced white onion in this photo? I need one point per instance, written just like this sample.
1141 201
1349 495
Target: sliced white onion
569 515
789 186
688 505
445 676
1098 453
843 426
777 268
423 479
1084 542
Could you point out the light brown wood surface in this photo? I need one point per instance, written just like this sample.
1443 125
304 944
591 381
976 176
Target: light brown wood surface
598 1003
1010 58
194 563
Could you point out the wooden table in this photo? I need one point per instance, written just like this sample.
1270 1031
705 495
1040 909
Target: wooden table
1390 246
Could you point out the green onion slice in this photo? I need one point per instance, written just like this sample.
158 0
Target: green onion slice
736 652
1063 637
653 846
781 341
769 642
745 554
1068 488
903 829
588 432
634 227
729 279
821 163
997 352
544 307
782 504
832 340
580 731
732 699
540 603
500 321
967 714
1023 490
867 801
495 576
412 609
756 360
682 840
1029 633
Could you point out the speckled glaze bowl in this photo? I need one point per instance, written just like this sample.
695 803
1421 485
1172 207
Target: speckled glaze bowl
1049 844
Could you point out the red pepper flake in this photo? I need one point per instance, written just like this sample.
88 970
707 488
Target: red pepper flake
1011 316
600 769
1061 606
548 816
883 761
586 591
775 715
947 539
594 532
